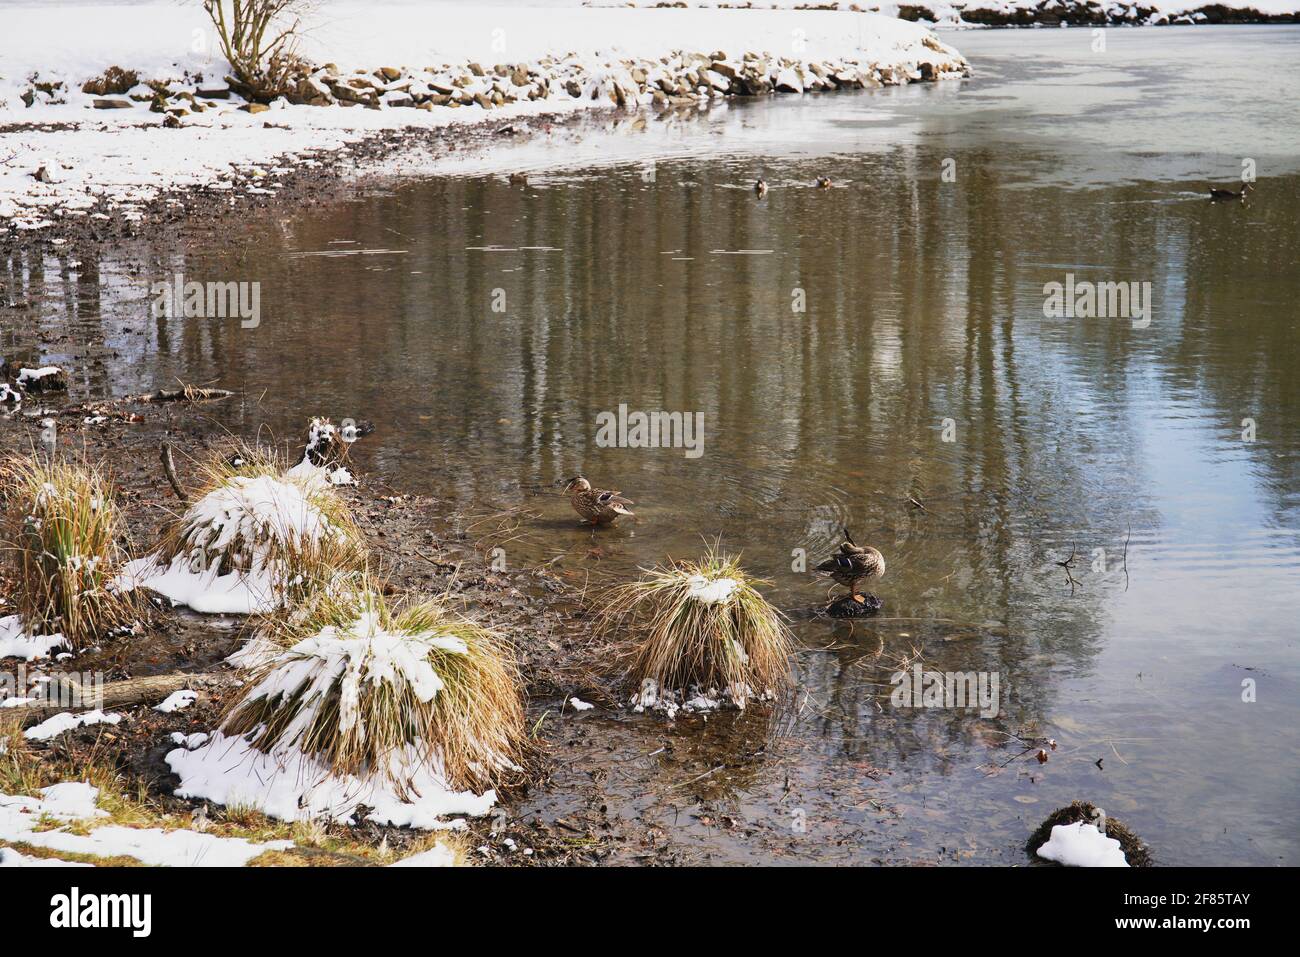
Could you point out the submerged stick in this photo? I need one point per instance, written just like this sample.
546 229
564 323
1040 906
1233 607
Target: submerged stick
169 469
190 393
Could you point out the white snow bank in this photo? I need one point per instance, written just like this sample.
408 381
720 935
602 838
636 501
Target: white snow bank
81 41
125 156
16 643
22 816
293 786
947 11
1082 845
66 721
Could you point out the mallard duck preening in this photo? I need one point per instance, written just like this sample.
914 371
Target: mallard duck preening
823 182
760 187
596 506
1216 193
853 563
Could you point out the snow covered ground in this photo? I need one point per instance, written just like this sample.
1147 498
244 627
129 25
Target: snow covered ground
60 155
24 819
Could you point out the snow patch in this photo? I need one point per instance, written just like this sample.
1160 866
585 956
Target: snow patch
66 721
22 816
16 643
292 786
177 701
711 591
440 855
1082 845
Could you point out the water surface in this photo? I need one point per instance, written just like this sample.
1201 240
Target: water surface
483 325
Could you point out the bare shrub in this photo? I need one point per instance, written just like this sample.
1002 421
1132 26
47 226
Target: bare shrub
258 38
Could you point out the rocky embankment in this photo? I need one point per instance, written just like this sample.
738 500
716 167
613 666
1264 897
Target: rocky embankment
677 79
104 130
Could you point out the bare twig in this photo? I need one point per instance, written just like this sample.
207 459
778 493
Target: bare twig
1068 565
169 469
1126 541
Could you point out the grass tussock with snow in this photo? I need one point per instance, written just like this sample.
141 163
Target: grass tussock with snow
701 625
257 536
361 682
62 540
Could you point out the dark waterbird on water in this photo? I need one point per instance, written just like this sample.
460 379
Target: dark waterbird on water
823 182
1218 194
760 187
851 564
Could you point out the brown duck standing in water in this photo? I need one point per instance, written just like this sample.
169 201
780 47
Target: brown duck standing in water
852 564
596 506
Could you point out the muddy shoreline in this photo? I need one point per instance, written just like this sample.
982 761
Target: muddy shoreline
416 539
191 214
420 554
542 616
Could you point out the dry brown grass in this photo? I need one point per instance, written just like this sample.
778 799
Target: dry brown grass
62 541
740 646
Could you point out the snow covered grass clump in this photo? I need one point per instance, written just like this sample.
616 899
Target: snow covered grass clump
1081 835
62 541
254 540
703 630
415 713
366 682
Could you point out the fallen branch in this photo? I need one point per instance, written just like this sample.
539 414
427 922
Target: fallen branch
189 393
115 694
